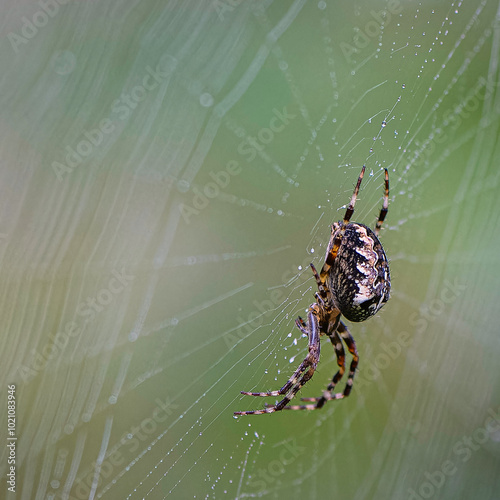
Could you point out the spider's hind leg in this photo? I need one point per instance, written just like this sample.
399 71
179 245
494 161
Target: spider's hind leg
351 345
385 205
317 403
328 393
299 378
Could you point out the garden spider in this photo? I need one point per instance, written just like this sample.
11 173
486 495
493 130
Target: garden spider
354 282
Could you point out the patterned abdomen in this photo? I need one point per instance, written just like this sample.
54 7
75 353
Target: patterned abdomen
360 278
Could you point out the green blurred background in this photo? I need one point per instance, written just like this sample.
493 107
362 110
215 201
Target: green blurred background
169 169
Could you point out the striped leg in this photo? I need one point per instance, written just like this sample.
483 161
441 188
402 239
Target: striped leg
323 293
335 244
299 378
301 325
351 345
339 351
385 204
327 395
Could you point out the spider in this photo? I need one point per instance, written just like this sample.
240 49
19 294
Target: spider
354 282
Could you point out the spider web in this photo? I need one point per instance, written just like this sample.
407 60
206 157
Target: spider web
274 107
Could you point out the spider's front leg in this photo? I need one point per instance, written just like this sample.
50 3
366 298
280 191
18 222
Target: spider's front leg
323 294
338 231
299 378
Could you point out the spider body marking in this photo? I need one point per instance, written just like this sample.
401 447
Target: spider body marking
360 278
354 282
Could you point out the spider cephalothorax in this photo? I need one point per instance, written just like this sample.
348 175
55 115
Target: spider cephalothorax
354 282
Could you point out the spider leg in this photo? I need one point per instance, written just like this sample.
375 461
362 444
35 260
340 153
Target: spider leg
340 353
343 331
282 405
316 276
327 394
335 245
322 290
320 299
385 205
350 208
351 345
301 325
299 378
290 383
323 296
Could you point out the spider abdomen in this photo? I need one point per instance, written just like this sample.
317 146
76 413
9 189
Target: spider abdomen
360 278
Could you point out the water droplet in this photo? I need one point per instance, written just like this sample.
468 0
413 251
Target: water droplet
206 100
183 186
167 65
63 62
